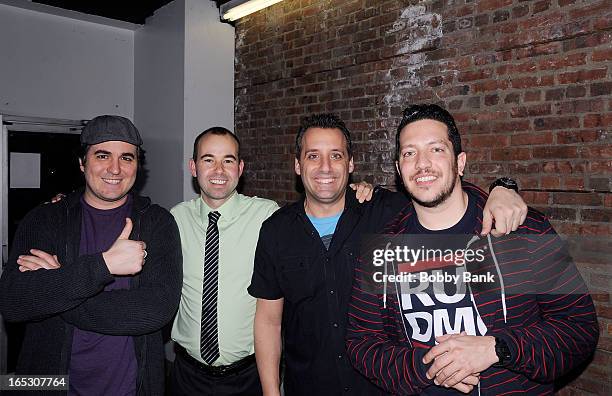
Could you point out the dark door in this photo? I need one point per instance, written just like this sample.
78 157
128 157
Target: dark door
45 164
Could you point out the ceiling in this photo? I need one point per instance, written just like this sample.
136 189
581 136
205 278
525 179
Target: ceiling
121 10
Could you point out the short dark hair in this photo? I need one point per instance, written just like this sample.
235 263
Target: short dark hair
216 130
326 121
84 148
429 112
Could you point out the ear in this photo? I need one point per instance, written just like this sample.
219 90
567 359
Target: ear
397 168
298 171
81 165
461 160
351 165
240 168
192 168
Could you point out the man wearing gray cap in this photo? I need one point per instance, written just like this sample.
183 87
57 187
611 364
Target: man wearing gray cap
96 275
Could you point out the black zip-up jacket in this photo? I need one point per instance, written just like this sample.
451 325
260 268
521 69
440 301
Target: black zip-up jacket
53 302
538 305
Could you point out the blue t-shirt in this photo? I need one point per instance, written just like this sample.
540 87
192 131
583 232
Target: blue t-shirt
102 364
325 226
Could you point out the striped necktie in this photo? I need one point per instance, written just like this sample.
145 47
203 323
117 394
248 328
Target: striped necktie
209 340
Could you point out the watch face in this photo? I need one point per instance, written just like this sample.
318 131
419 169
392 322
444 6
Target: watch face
508 181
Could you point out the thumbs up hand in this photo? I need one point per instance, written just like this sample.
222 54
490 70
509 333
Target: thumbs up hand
125 257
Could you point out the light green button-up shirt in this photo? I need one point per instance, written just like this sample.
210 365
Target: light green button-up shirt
239 225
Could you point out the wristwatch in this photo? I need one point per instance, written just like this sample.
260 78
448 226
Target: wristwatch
502 351
504 182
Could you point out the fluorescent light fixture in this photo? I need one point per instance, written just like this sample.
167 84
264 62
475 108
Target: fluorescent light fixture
237 9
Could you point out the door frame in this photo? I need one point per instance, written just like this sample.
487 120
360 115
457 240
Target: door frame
19 123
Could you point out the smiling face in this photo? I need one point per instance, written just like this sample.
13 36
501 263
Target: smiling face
427 164
324 166
110 172
217 168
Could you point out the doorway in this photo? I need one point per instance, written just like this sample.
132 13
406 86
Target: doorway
39 161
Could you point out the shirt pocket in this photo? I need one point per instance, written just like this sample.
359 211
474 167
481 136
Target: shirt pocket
296 278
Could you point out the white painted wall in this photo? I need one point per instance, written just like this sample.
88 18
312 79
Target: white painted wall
58 67
174 77
159 110
209 76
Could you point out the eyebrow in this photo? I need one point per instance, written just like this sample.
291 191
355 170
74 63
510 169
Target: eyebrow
232 156
317 150
428 143
109 153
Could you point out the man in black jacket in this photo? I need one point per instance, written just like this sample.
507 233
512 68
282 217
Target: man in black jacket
77 275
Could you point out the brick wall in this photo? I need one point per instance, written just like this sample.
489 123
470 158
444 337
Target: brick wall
528 82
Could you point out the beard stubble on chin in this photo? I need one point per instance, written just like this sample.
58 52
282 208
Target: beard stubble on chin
442 196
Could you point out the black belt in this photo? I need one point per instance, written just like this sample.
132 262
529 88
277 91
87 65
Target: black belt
215 371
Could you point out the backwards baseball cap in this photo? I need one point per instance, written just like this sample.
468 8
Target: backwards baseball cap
110 127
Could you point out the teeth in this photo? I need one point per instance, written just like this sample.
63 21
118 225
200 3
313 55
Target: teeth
112 181
218 181
426 178
325 181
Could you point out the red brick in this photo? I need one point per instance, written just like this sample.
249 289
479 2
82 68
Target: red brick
486 141
595 9
474 75
580 199
574 136
555 94
551 183
602 55
599 152
490 85
528 182
596 215
524 82
520 11
541 6
556 123
597 120
563 167
531 111
486 168
511 154
603 22
487 5
575 91
581 76
600 167
561 63
555 152
536 197
555 213
580 106
573 183
523 168
599 89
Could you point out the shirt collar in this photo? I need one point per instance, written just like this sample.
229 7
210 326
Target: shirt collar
228 210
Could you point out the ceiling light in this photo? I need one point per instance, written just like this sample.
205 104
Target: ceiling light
237 9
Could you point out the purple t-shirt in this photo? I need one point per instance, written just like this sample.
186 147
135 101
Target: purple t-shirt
102 364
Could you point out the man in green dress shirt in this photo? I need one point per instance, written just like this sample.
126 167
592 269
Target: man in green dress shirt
217 166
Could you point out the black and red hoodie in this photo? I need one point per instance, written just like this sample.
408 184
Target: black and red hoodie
538 305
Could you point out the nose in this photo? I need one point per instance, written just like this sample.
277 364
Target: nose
325 164
422 161
114 167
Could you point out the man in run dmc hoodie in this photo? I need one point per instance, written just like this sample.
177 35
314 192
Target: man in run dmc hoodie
513 319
